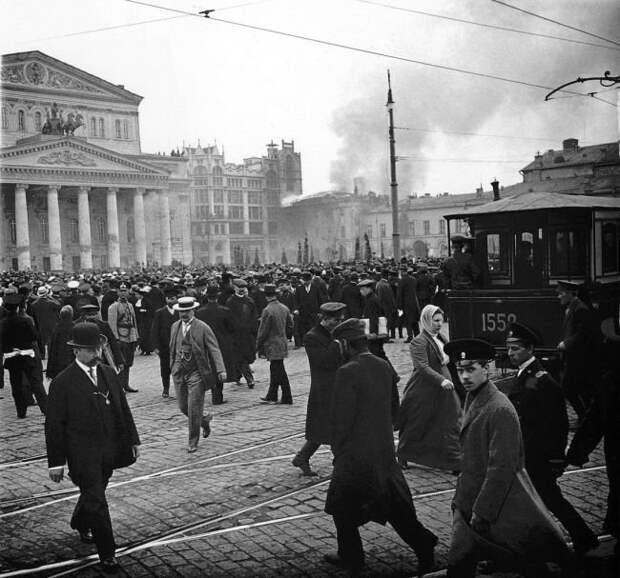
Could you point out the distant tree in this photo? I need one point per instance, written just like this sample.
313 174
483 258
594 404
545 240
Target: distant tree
382 251
367 248
341 252
284 259
247 258
306 255
311 254
256 259
299 257
358 251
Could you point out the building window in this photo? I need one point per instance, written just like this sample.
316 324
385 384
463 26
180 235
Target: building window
442 227
125 129
21 120
44 229
254 198
256 213
272 180
218 210
13 229
93 126
382 229
75 231
254 184
611 246
5 118
131 231
427 227
101 127
236 228
235 212
117 128
290 178
234 182
369 231
235 198
100 229
412 228
38 122
568 252
256 228
218 196
217 176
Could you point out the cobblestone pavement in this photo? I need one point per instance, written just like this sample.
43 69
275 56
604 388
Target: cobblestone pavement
236 507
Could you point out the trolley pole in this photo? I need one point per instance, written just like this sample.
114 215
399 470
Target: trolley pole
393 183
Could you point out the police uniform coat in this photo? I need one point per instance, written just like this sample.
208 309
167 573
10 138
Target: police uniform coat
430 416
324 358
221 321
365 475
74 426
494 485
276 323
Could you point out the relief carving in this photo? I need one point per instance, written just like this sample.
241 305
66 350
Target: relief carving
34 73
67 157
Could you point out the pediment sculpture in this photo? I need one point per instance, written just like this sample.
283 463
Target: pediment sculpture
67 157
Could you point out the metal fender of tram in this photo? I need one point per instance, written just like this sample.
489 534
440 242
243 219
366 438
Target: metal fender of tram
518 248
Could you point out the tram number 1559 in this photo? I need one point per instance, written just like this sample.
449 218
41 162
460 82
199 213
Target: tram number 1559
497 321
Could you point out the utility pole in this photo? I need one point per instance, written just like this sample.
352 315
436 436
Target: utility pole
393 183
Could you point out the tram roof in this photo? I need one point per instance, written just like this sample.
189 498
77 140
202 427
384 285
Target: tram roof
538 201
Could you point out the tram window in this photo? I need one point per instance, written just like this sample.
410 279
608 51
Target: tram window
568 252
497 254
527 262
611 247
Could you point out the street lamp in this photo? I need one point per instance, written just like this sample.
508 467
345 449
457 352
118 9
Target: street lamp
393 183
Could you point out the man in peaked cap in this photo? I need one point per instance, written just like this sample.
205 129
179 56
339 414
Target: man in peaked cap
124 325
541 408
324 358
163 319
367 484
495 504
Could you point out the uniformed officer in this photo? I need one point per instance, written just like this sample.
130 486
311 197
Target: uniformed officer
541 408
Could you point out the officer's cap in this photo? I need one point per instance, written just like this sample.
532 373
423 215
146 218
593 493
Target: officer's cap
519 332
469 349
569 286
332 308
89 308
366 283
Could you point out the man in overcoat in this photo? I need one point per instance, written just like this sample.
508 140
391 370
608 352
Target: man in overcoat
161 328
44 310
90 430
324 358
367 484
308 300
352 297
497 513
387 300
112 355
221 321
407 299
244 313
541 408
276 324
195 364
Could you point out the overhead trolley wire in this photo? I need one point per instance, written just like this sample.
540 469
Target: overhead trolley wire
486 25
435 131
555 21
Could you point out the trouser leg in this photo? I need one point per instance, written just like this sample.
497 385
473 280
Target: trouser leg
246 372
128 351
272 392
463 553
307 450
612 460
181 391
195 406
282 381
20 398
164 370
574 395
350 547
35 378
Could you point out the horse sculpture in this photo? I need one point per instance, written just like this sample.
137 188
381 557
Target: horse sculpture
73 122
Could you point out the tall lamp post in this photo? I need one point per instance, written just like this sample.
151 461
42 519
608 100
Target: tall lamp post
393 183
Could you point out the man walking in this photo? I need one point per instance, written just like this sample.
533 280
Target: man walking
276 324
112 355
367 483
244 313
497 513
122 321
308 300
324 358
541 408
161 329
408 302
90 429
196 363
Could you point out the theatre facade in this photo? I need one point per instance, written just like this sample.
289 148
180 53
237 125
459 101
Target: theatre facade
76 190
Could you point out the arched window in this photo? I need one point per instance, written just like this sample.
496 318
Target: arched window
101 127
117 128
125 129
5 118
93 126
21 120
217 175
38 123
44 228
272 180
131 231
199 170
100 229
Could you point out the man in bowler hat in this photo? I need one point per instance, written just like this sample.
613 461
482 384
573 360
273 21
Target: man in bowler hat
89 429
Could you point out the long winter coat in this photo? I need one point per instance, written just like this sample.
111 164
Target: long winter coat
45 312
276 323
494 485
60 354
407 299
74 427
243 310
220 320
324 358
365 475
430 416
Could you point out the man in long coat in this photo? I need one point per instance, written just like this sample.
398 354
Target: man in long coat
308 300
163 319
45 311
407 300
244 313
387 300
540 404
221 321
352 297
324 358
89 428
367 483
497 513
276 323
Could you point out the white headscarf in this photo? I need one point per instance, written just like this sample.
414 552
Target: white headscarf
426 318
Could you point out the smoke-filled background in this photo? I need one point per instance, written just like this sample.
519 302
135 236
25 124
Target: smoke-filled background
242 87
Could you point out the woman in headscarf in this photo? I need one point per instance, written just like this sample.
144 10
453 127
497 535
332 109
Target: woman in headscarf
60 354
430 413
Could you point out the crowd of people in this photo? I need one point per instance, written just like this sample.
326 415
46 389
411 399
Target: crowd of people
208 326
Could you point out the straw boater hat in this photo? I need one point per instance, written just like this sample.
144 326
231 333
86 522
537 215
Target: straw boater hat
186 304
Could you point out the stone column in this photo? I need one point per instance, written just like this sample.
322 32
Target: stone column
21 226
139 226
86 248
53 225
3 252
164 229
114 247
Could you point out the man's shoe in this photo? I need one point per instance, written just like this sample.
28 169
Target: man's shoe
165 395
130 389
426 556
191 449
251 385
206 426
266 400
304 466
282 402
21 414
109 565
336 560
220 402
87 537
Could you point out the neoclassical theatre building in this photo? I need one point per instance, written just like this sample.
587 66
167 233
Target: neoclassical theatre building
78 193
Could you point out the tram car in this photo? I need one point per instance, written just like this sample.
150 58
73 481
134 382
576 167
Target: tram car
518 249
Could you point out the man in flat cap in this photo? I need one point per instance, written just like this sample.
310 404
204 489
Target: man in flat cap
90 430
579 348
367 483
541 408
163 319
324 358
497 513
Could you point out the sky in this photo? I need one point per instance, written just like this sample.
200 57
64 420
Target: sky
214 81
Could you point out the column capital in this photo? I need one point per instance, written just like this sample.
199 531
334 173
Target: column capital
53 186
139 191
112 190
21 186
83 188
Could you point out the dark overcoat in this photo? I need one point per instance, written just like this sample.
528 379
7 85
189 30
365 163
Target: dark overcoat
74 426
244 313
353 299
407 299
45 312
324 358
582 340
365 476
387 299
60 353
221 321
161 329
372 311
430 416
276 323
